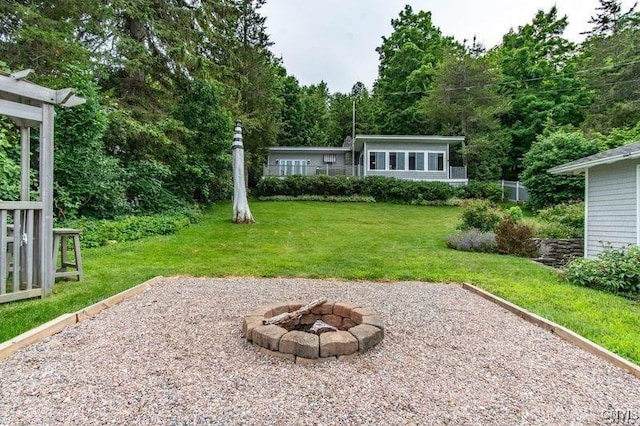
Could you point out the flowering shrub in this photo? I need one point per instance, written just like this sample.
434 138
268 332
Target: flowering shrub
473 240
616 270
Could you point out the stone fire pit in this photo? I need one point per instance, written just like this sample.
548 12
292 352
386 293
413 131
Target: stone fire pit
358 330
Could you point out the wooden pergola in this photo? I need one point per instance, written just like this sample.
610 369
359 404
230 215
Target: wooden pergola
26 226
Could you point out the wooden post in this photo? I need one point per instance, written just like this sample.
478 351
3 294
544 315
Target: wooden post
46 196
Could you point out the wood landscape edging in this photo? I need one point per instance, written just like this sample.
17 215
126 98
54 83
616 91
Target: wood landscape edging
58 324
560 331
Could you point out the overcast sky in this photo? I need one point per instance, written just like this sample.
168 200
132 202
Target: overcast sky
335 40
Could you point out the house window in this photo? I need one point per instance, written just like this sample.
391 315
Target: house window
396 161
436 161
292 167
416 161
329 158
377 161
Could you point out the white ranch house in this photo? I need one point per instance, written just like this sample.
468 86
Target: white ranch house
612 197
414 157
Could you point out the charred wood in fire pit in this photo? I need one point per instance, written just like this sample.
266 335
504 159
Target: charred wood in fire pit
290 316
320 327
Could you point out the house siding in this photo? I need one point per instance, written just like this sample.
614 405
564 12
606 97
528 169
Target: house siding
612 206
408 147
316 158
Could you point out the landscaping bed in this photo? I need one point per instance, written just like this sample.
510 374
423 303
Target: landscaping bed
175 355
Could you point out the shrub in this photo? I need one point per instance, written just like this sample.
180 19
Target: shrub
475 189
481 215
473 240
380 188
615 270
552 150
515 239
329 198
515 214
97 233
563 221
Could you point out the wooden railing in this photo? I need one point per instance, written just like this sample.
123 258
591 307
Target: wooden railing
20 250
308 170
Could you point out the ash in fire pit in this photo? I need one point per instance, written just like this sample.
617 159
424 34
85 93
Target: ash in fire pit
318 331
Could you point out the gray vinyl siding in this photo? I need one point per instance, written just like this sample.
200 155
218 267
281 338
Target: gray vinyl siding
611 206
316 158
408 147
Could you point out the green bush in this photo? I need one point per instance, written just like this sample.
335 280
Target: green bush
473 240
475 189
515 239
97 233
552 150
481 215
562 221
616 270
515 214
380 188
328 198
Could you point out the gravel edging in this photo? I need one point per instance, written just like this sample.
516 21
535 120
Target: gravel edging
174 355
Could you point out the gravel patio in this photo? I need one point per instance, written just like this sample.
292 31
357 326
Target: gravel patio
174 355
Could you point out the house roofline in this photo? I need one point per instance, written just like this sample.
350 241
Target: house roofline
308 149
449 140
574 169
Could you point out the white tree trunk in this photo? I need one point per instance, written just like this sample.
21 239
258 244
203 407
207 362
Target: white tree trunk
241 212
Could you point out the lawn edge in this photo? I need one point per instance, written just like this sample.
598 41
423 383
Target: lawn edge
58 324
562 332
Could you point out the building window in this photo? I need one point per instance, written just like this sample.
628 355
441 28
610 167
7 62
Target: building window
396 161
416 161
436 161
293 167
377 161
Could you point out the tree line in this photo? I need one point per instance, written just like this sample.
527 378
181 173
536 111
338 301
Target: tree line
165 78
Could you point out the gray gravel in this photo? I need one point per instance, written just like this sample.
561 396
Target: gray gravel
174 355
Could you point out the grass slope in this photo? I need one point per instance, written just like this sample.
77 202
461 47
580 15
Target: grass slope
353 241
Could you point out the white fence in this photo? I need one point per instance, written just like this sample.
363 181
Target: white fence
514 191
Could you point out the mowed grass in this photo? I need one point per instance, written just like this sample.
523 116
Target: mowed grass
381 242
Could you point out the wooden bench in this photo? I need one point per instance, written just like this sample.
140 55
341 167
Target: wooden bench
61 238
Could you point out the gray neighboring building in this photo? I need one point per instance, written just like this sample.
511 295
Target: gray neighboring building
413 157
612 197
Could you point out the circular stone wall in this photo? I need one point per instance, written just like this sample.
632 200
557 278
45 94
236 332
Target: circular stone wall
359 329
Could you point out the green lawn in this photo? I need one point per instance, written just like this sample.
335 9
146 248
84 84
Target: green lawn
354 241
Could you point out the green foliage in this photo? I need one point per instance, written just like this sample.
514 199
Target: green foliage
87 180
473 240
97 233
515 238
409 59
381 189
202 168
611 60
476 189
515 214
540 76
616 270
562 221
552 150
9 162
327 198
480 215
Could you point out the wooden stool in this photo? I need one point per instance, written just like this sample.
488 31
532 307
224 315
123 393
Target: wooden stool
61 238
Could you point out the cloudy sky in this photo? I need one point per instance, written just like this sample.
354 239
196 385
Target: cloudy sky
335 40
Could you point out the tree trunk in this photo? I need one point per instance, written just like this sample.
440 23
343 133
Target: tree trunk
241 212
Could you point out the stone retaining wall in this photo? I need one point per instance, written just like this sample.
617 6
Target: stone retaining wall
557 252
